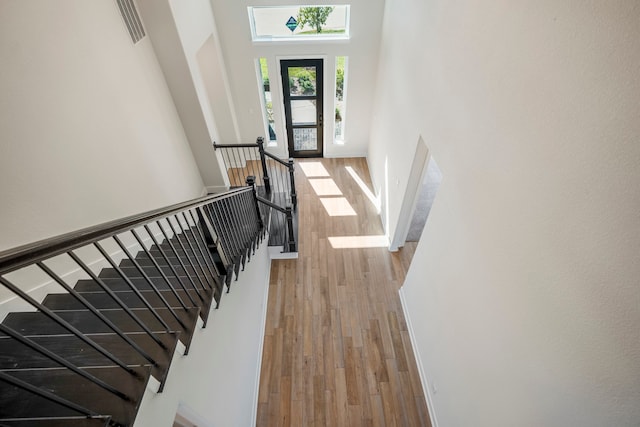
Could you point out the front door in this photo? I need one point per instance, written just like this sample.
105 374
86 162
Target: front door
302 85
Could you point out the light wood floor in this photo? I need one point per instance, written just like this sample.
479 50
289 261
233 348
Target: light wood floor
336 349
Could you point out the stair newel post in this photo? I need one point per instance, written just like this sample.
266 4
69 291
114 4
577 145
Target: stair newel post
291 238
263 160
251 181
294 196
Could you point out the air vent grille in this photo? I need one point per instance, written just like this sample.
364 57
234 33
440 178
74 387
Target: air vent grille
131 19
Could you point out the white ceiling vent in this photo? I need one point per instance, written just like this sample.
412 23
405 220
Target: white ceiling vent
131 19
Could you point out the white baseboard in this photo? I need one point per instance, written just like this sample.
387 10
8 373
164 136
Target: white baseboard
423 378
344 155
265 303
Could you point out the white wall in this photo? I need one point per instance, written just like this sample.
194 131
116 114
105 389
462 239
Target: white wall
523 295
240 54
218 379
179 30
88 130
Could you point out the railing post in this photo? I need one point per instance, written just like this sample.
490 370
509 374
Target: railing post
294 196
291 244
251 182
263 160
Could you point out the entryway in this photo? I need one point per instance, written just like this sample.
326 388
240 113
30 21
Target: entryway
302 87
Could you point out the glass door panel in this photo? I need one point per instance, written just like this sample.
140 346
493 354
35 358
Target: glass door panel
302 89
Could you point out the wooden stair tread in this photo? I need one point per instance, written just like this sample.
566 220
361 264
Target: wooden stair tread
36 323
102 300
18 403
16 355
118 284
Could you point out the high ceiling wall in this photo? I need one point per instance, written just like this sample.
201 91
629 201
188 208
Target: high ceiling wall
523 295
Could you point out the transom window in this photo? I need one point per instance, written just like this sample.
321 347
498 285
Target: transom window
273 23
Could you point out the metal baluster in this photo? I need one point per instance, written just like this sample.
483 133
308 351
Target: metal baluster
184 268
95 311
218 238
265 170
253 220
199 239
186 254
236 166
280 181
202 243
51 355
132 286
171 266
117 299
234 230
150 282
291 244
246 225
47 395
294 196
250 221
236 215
258 218
225 234
207 211
60 321
193 251
157 266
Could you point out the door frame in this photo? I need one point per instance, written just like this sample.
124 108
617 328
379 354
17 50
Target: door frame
325 105
410 201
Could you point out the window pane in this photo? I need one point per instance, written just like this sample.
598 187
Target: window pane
287 22
303 112
341 97
266 93
302 80
305 139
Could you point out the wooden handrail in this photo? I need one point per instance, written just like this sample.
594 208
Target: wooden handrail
22 256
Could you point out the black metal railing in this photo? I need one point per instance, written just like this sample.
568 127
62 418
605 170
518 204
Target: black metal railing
279 220
141 284
274 177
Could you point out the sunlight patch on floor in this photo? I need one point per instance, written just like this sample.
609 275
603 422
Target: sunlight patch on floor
365 189
355 242
325 187
313 169
338 206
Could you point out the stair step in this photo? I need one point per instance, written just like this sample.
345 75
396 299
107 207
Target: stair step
57 422
37 323
18 403
88 285
144 260
101 300
152 271
16 355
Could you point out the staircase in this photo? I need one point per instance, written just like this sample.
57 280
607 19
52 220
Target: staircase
273 179
85 356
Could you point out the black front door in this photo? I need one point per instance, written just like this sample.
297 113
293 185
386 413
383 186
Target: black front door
302 85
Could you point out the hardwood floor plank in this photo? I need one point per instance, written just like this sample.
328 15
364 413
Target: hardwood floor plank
336 347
